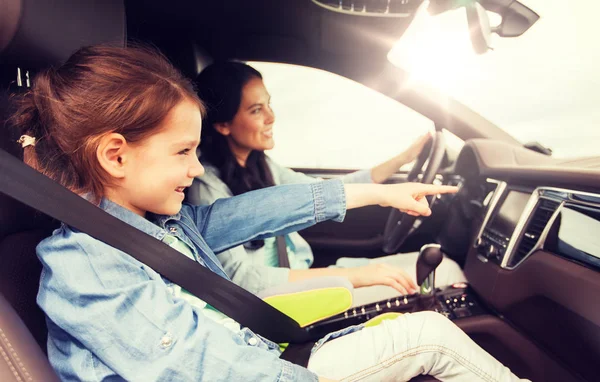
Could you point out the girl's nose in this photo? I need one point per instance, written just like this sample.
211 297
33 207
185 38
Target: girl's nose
196 169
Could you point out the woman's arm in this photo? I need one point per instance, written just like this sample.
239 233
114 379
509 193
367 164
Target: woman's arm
372 274
243 271
284 175
386 169
238 264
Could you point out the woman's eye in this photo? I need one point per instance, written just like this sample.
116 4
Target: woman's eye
256 111
184 152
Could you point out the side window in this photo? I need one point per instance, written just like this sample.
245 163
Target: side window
327 121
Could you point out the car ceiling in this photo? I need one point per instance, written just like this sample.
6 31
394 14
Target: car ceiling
302 33
269 30
290 31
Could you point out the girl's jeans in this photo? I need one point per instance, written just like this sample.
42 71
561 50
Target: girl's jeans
405 347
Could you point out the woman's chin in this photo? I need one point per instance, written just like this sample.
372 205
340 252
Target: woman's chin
269 145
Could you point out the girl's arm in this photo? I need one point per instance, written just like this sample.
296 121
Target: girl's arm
282 209
284 175
268 212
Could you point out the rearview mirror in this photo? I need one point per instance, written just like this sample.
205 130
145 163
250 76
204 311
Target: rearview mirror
479 27
516 20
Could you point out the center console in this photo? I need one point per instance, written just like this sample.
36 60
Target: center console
455 302
502 218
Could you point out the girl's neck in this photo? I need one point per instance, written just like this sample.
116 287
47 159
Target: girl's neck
114 196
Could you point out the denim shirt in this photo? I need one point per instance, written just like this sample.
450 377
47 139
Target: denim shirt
253 269
111 317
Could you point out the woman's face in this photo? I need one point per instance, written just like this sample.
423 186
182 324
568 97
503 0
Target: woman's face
252 126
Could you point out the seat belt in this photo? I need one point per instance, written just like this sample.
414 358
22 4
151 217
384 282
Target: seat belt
30 187
282 253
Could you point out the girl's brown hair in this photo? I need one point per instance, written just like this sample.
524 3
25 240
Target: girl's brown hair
99 90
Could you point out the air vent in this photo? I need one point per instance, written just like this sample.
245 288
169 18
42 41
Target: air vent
381 8
543 211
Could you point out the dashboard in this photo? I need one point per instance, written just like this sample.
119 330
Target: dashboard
526 201
527 228
517 223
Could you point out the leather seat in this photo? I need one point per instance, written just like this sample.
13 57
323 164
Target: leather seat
22 324
25 27
21 358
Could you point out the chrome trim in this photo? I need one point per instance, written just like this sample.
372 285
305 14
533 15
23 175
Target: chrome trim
540 242
19 79
428 285
527 212
539 193
496 195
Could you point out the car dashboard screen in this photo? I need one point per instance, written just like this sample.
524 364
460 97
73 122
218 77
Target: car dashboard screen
505 219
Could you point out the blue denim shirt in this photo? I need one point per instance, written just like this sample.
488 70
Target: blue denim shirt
111 317
255 270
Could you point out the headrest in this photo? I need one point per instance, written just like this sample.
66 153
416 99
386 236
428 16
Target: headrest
38 33
35 34
187 56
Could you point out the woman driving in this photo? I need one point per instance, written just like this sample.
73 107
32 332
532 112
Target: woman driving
238 129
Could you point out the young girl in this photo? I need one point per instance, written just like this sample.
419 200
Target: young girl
238 127
120 127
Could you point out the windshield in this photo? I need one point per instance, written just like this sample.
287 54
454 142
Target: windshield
541 86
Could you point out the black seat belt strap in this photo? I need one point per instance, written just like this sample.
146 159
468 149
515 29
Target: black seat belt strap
28 186
282 253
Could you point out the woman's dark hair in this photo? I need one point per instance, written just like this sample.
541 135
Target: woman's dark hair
99 90
220 87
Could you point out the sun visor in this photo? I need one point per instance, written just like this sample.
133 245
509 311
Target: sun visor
38 33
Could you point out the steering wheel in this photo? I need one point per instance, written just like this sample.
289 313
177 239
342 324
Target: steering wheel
400 225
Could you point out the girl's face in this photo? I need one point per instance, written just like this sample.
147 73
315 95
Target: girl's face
158 169
252 126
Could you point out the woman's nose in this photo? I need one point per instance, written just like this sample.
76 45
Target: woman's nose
270 118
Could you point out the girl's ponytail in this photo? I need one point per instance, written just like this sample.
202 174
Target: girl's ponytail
33 118
100 90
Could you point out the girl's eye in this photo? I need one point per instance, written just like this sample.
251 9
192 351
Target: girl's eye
184 152
256 111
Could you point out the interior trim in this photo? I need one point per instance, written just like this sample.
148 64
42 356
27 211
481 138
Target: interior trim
362 11
525 357
497 194
560 195
9 21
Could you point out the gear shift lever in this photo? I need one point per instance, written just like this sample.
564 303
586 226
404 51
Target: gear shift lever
430 256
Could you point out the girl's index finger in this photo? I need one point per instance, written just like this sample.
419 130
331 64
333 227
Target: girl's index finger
432 189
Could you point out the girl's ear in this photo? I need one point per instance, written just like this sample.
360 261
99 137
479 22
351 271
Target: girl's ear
112 154
223 128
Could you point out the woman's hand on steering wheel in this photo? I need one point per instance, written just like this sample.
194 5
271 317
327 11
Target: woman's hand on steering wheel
411 153
399 226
